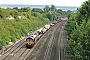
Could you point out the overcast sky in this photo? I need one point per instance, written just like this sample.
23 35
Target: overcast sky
45 2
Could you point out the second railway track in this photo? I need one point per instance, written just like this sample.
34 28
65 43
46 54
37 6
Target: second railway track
51 46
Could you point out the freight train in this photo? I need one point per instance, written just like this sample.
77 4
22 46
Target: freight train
32 39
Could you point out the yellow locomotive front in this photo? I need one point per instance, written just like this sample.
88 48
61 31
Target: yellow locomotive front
29 42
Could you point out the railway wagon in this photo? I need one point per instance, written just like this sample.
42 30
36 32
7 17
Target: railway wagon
39 31
30 41
55 22
47 26
43 30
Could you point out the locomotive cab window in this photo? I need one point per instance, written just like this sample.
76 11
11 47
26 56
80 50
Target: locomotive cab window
29 40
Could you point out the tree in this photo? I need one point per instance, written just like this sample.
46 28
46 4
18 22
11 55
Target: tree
14 13
15 8
3 13
26 9
50 16
47 9
84 12
38 10
53 8
79 40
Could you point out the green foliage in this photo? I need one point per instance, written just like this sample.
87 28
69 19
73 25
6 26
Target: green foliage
10 30
46 9
26 9
53 8
49 16
38 10
3 13
84 12
25 20
78 29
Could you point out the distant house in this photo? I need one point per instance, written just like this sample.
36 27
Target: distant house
21 17
10 18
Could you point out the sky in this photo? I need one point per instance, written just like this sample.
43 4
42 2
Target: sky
45 2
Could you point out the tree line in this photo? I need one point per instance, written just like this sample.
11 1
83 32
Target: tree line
78 30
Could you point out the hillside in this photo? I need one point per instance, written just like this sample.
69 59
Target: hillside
16 23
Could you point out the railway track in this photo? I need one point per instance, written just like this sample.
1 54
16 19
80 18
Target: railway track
10 50
52 45
41 45
17 51
56 53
